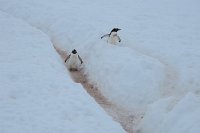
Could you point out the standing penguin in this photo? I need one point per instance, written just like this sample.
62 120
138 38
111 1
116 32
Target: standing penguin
74 61
113 38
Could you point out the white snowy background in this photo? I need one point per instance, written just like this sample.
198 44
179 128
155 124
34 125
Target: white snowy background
154 70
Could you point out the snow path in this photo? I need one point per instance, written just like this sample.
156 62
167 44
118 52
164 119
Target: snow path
171 75
124 117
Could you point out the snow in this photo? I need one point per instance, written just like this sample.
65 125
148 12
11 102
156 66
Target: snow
36 94
117 64
155 69
172 115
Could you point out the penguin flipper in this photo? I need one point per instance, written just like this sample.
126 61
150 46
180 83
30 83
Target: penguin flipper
119 38
67 57
80 59
106 35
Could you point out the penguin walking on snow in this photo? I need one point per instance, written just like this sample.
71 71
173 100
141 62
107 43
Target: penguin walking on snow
73 61
113 38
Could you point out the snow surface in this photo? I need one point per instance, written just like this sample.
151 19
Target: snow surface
36 94
154 70
174 117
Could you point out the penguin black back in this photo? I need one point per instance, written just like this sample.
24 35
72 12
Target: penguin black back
115 30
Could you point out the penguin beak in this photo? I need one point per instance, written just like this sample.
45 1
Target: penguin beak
119 29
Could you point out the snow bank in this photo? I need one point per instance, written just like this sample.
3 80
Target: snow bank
172 115
169 31
36 94
125 73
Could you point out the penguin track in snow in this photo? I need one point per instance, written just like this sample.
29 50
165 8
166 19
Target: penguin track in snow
124 117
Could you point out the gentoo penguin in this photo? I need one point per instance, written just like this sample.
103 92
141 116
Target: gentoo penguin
73 61
113 38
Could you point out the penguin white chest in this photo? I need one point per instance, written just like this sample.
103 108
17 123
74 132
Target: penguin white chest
114 38
73 62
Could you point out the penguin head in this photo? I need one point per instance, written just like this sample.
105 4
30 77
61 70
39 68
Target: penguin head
115 30
74 51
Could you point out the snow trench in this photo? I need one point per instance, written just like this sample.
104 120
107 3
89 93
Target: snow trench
125 118
119 114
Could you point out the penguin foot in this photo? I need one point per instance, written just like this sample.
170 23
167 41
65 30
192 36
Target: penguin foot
73 69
